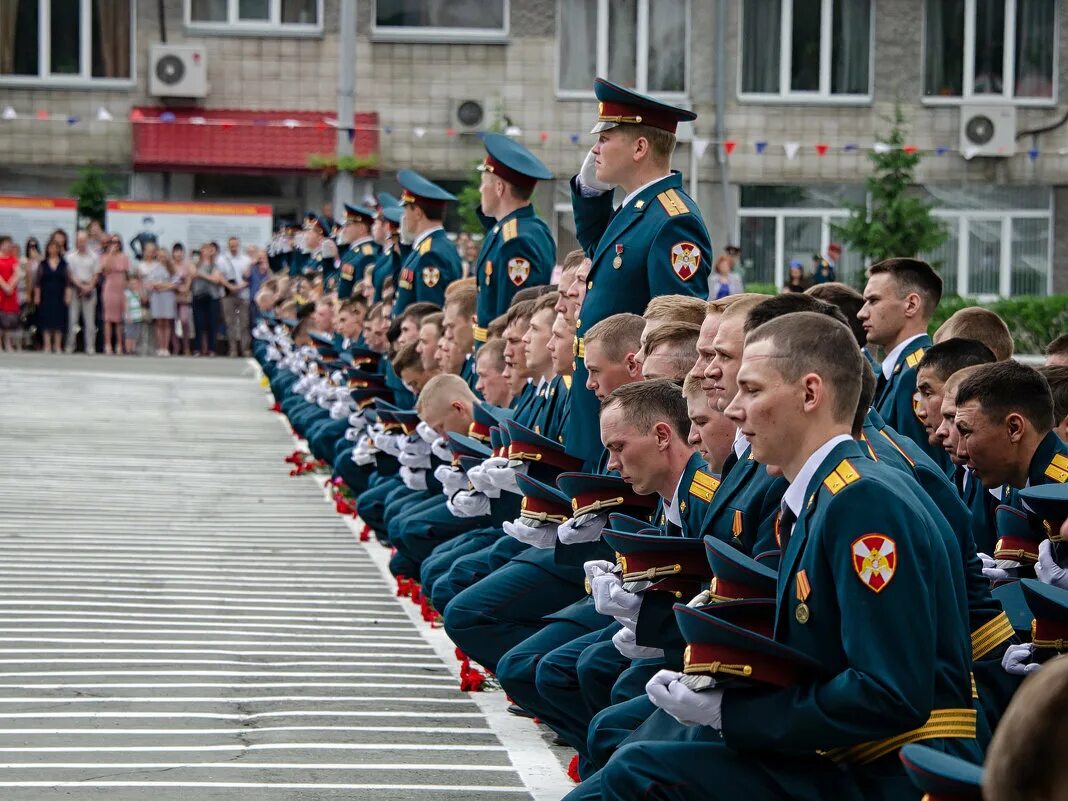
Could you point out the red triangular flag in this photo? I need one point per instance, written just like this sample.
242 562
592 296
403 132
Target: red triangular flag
821 149
729 146
910 149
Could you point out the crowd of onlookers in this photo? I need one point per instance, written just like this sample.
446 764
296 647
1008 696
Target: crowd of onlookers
90 295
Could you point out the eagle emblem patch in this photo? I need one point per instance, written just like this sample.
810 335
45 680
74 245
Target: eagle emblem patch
875 560
518 271
685 260
431 276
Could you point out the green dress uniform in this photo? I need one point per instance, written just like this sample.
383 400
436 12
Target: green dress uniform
433 262
518 249
654 244
359 254
745 509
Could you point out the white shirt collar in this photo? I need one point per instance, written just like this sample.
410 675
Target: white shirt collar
642 188
362 241
740 443
890 362
794 497
419 239
671 508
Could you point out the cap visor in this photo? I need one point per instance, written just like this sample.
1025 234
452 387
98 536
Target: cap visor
603 126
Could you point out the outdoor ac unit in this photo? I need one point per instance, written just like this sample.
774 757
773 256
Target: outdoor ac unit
177 71
471 115
987 131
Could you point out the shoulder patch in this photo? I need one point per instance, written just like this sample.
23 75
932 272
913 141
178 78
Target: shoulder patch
1057 470
672 203
704 486
841 477
874 560
914 358
425 245
518 270
685 260
367 250
510 230
431 276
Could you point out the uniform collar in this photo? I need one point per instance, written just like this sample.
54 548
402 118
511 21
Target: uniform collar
1041 462
643 187
740 443
890 362
794 497
419 239
522 211
361 241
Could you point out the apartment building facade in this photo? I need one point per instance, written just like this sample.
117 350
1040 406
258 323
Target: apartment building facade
792 95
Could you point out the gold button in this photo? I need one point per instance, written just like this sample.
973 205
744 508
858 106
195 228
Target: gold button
589 285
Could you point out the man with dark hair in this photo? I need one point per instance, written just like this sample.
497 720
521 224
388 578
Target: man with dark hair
789 304
1057 378
1005 421
848 301
433 262
458 335
1057 352
656 242
937 365
899 299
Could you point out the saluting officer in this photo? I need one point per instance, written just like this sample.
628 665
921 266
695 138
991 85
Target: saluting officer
655 243
518 249
433 263
361 250
321 250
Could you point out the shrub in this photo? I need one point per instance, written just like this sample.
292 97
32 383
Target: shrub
1033 321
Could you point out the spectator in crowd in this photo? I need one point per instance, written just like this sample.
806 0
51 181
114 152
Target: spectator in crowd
148 261
10 275
114 265
822 271
257 274
184 272
84 268
97 237
162 302
797 280
52 295
31 259
134 313
207 292
64 241
724 280
233 266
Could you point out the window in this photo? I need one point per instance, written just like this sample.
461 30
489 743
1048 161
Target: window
441 20
255 16
66 41
625 42
824 50
990 49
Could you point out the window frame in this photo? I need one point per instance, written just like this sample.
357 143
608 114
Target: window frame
967 95
641 60
823 97
234 27
84 79
430 35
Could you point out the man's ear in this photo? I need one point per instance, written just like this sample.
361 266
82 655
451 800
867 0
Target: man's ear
663 435
633 368
913 304
1015 426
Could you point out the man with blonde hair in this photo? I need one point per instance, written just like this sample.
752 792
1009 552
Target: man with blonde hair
669 350
982 325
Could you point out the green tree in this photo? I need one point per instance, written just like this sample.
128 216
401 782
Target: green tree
896 222
92 189
468 200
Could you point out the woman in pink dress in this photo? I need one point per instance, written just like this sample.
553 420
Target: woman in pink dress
114 265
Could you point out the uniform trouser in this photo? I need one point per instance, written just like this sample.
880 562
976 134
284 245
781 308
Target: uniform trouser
490 618
372 503
995 688
438 563
424 532
238 333
467 570
612 726
326 438
356 477
85 308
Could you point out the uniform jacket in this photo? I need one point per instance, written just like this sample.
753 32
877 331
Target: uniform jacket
745 508
387 265
353 263
429 268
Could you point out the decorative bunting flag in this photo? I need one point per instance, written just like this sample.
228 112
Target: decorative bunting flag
881 147
167 116
9 113
910 149
700 146
543 137
729 145
791 149
1032 154
760 147
849 148
513 130
42 114
941 150
387 130
290 123
72 120
574 138
821 149
103 115
419 132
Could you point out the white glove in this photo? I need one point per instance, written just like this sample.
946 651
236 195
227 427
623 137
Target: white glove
469 503
497 461
598 567
353 434
703 598
364 452
452 479
273 354
481 483
503 478
689 708
339 411
415 453
610 598
994 569
426 433
584 528
532 532
627 644
1046 568
413 479
440 448
1017 660
389 443
357 420
588 176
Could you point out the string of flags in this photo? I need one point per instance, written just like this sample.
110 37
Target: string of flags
760 147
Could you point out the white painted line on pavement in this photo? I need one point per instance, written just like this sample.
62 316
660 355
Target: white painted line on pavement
430 788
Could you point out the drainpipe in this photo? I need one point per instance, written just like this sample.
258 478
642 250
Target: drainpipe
344 183
721 114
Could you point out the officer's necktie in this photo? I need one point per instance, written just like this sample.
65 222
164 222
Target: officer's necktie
880 386
731 461
787 518
958 479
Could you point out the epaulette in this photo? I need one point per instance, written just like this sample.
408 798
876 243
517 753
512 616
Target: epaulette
1057 469
914 358
425 245
672 203
367 250
510 230
567 382
843 475
704 486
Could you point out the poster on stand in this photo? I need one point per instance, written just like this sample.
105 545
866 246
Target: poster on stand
23 217
138 222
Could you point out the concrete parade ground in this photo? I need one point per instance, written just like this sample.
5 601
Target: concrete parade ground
181 619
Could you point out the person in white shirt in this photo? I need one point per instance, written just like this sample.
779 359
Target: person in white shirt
84 268
234 266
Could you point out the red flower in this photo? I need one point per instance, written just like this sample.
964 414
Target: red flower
472 680
572 769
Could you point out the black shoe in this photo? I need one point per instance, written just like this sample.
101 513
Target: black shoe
560 741
518 711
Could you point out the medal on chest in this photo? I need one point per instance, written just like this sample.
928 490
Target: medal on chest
489 272
617 262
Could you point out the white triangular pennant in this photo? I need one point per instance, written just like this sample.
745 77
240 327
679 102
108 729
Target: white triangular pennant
970 152
419 132
103 115
791 149
9 113
700 146
881 147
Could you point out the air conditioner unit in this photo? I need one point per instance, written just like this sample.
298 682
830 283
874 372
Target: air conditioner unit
177 71
987 131
472 115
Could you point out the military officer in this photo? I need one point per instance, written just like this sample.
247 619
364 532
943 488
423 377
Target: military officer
321 250
518 249
656 242
433 263
386 234
302 253
361 251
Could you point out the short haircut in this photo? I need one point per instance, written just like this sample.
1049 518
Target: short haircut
1057 378
492 352
436 319
495 327
789 303
1058 346
807 342
680 339
646 403
867 395
661 143
465 299
377 309
720 305
848 301
519 313
975 322
950 355
1023 762
676 308
417 311
574 259
744 304
546 301
530 293
949 389
460 285
692 386
1009 387
619 335
913 275
443 387
353 303
407 358
433 211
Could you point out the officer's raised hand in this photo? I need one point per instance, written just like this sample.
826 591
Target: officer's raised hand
588 176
